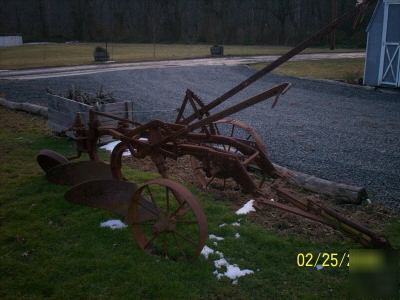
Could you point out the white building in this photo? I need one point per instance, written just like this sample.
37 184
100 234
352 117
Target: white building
10 40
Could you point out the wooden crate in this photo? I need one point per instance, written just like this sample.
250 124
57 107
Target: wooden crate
62 112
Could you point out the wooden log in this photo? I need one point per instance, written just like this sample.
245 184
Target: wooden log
342 193
26 107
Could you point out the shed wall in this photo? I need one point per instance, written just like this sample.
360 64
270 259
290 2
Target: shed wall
374 44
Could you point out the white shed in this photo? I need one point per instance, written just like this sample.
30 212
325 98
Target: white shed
382 65
7 40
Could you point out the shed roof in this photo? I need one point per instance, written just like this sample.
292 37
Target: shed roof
374 15
377 7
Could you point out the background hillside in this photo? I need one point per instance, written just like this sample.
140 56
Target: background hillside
283 22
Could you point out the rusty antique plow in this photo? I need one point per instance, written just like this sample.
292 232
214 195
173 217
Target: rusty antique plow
164 216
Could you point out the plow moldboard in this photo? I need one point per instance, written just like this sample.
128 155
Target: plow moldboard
77 172
111 195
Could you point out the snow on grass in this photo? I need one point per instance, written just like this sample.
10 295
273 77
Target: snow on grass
223 268
113 224
247 208
237 224
220 254
214 237
237 235
206 251
220 263
110 147
222 225
233 272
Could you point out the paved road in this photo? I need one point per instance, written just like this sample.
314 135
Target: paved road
341 133
94 69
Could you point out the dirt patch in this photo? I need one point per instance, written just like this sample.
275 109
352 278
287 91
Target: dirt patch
374 216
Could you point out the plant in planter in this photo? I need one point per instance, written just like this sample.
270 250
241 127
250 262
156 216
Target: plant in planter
62 107
101 54
217 50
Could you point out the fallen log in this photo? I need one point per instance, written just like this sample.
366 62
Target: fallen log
341 192
26 107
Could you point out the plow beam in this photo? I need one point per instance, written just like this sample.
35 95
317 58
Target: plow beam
332 218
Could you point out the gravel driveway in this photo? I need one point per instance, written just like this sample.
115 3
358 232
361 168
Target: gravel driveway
341 133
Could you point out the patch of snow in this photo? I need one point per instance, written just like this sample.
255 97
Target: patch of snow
113 224
368 201
206 251
220 263
236 224
237 235
272 200
215 243
222 225
247 208
110 147
233 272
221 255
214 237
319 267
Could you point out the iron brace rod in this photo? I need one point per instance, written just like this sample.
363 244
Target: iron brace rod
277 90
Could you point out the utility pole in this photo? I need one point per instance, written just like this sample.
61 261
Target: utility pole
334 17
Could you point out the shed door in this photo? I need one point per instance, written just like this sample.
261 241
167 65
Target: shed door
389 72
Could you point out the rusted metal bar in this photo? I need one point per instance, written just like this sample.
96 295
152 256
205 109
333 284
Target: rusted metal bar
336 220
275 91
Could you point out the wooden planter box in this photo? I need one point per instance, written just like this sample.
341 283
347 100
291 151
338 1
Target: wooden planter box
101 56
62 112
217 50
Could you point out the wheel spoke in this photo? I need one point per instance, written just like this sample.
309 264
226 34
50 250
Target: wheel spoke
187 222
165 245
179 245
148 209
151 195
232 130
167 198
177 210
145 223
150 241
186 239
211 180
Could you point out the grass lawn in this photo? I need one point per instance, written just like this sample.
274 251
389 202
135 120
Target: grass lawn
30 56
51 248
349 69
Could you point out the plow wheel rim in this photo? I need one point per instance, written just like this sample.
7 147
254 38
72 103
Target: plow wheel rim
48 159
247 128
167 222
236 125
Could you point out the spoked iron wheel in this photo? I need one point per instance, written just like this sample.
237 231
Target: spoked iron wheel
178 226
207 173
